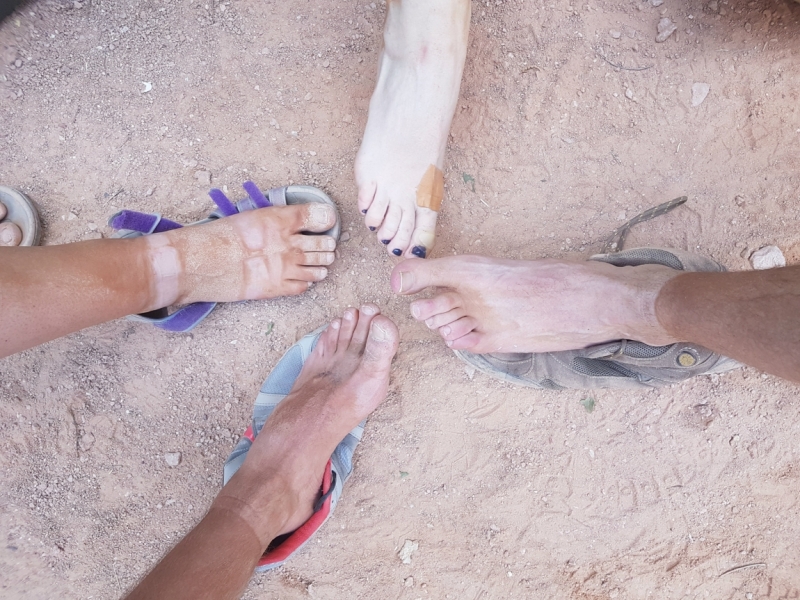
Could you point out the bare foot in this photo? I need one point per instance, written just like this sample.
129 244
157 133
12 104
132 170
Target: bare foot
495 305
399 166
253 255
342 382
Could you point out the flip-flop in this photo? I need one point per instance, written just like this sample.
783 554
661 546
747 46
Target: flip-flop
616 364
129 223
338 470
22 212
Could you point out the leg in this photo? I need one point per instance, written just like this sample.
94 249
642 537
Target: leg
344 379
399 166
492 305
50 291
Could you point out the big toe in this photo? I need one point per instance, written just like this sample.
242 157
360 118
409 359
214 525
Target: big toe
424 234
382 344
414 275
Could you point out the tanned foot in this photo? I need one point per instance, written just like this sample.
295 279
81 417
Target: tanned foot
342 382
495 305
399 166
253 255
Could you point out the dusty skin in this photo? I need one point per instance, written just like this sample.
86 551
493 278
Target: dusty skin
650 495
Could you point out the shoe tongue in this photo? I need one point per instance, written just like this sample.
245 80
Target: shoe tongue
641 256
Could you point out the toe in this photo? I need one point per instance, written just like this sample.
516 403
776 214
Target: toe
443 319
467 342
326 345
313 243
309 274
312 259
381 343
349 320
294 287
314 216
414 275
423 310
365 316
391 223
424 235
401 239
10 234
377 211
366 194
458 328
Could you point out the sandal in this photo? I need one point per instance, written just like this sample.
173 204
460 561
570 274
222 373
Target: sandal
22 216
618 364
339 468
129 223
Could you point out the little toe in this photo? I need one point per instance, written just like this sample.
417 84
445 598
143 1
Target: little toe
294 287
401 239
328 339
365 315
366 194
424 235
467 342
458 328
423 310
377 211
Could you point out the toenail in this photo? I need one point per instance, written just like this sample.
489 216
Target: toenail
449 343
415 311
397 252
368 310
420 251
429 323
379 334
406 282
348 314
335 324
363 212
371 228
445 330
384 242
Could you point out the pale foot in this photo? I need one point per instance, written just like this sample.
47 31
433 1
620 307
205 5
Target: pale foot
399 166
495 305
342 382
253 255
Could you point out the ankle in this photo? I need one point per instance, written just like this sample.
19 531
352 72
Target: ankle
643 289
166 268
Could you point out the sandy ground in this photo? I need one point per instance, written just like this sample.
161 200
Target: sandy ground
509 493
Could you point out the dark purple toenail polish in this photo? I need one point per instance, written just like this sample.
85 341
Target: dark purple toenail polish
385 242
397 252
372 228
420 251
363 212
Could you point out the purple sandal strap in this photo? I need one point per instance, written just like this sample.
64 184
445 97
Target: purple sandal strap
277 196
255 195
226 207
185 318
143 222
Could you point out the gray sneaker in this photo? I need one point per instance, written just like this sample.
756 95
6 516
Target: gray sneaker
617 364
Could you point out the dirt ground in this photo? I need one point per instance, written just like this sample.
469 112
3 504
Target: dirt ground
571 119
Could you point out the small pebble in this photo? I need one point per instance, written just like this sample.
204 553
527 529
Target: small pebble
18 63
665 29
615 34
344 237
629 94
408 582
173 459
656 2
203 177
409 547
699 93
768 257
347 118
308 96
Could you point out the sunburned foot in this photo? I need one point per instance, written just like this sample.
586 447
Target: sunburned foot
399 166
342 382
494 305
253 255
